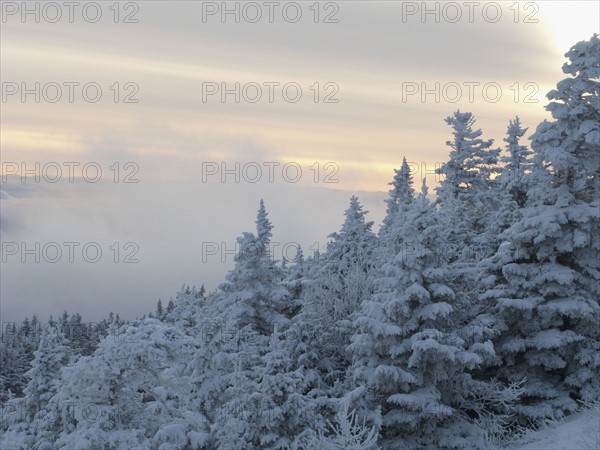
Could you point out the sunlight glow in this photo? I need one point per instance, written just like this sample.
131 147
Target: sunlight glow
570 22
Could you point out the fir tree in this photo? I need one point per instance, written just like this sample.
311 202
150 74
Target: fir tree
51 356
159 310
401 195
409 360
466 194
544 285
333 292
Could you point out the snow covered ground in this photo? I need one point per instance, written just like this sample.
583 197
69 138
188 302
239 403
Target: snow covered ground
580 432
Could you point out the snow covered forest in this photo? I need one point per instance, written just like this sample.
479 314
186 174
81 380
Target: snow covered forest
469 318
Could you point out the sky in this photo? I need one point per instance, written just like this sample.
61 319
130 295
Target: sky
137 138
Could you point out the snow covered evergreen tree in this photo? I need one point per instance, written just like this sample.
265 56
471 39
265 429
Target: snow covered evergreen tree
401 195
518 164
466 194
348 433
184 310
544 284
513 181
267 409
347 262
16 353
132 393
159 310
253 295
409 360
240 319
34 424
334 292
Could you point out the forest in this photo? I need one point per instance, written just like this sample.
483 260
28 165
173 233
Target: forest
470 317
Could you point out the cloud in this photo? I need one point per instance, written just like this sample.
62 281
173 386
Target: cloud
167 226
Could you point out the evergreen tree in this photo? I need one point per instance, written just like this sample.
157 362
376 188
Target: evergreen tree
170 307
253 295
239 320
410 362
517 164
544 285
294 281
347 262
466 194
513 181
347 434
263 230
16 354
132 393
267 409
333 292
159 310
51 356
401 195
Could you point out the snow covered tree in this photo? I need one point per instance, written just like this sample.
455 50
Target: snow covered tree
267 409
37 429
159 310
466 194
78 334
333 292
239 319
544 284
253 295
184 310
409 359
347 434
518 164
401 195
133 392
347 262
16 354
513 181
294 280
263 229
52 355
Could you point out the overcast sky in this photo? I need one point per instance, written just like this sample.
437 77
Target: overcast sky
376 81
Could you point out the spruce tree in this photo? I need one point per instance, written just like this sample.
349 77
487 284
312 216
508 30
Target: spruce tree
544 286
401 195
465 196
52 355
409 359
341 281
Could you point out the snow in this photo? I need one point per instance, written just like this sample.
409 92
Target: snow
579 432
